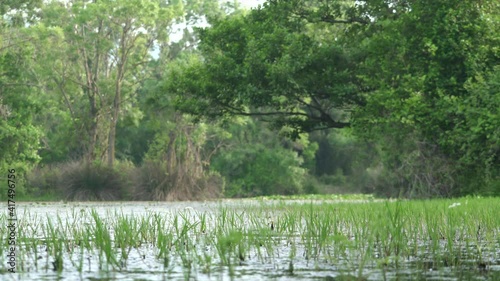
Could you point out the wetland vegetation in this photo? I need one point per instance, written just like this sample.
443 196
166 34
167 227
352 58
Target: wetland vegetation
289 103
108 100
264 239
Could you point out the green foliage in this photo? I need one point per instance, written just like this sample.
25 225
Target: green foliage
176 161
267 64
420 62
481 109
258 170
336 153
19 141
403 68
102 54
417 81
254 168
19 136
478 137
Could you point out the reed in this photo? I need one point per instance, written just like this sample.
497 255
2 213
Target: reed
355 238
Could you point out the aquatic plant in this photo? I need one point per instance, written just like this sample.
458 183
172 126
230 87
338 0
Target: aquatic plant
348 238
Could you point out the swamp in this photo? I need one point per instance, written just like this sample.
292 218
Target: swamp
229 140
258 239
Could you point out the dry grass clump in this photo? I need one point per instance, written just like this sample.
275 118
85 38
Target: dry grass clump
43 180
82 181
153 181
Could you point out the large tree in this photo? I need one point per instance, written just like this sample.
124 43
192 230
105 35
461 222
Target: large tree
421 61
100 60
19 137
97 55
407 74
280 62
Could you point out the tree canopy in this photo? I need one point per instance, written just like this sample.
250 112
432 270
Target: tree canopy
397 72
396 97
279 62
19 137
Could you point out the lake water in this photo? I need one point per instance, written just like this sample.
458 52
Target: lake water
257 264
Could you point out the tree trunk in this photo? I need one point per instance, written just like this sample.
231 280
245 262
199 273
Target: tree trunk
121 65
91 91
114 121
94 121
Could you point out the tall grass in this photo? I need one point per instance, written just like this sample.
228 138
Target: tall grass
354 238
81 181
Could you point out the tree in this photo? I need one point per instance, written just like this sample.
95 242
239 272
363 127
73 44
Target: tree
19 137
399 72
277 63
478 136
100 61
419 61
102 58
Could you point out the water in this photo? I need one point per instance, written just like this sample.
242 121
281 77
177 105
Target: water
258 263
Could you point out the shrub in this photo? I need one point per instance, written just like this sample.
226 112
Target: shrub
209 186
258 170
42 181
91 181
21 170
312 186
153 181
422 172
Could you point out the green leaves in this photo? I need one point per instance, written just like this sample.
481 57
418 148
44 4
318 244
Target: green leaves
422 66
256 169
19 137
268 64
481 111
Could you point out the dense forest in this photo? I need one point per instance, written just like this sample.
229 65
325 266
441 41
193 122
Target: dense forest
400 98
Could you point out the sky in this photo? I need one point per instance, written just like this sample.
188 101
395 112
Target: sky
178 29
251 3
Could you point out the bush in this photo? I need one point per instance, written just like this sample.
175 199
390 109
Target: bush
43 181
21 171
473 182
151 181
258 170
81 181
154 182
422 172
312 186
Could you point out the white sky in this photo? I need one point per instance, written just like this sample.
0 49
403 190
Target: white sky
178 29
251 3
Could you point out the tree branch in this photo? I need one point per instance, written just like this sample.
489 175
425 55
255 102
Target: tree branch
324 118
330 19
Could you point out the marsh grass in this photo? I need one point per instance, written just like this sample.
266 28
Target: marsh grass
91 181
346 238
